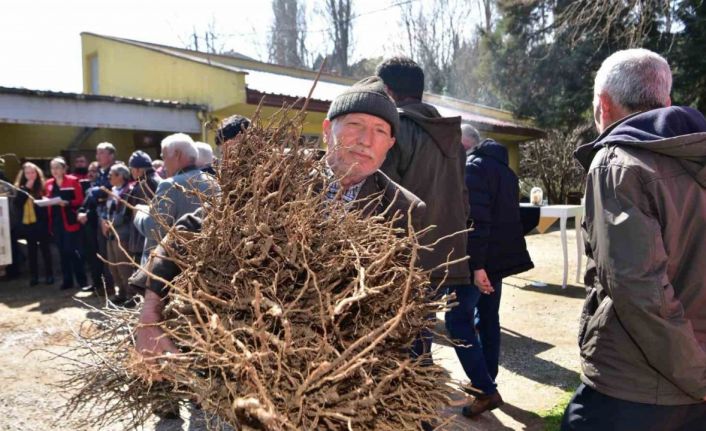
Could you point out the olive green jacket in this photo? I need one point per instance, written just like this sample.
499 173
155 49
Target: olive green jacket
643 326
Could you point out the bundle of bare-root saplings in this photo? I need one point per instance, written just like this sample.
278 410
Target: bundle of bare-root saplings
292 311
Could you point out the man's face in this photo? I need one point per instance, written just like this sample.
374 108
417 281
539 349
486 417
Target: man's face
357 145
115 179
606 111
80 162
468 143
171 161
136 172
104 157
92 172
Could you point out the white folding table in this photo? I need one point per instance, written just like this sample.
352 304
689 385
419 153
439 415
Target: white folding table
563 212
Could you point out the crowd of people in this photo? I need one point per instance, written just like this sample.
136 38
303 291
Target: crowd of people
89 211
643 328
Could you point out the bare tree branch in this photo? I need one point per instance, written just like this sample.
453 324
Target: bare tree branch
287 41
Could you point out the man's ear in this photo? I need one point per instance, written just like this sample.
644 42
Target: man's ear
610 112
606 104
669 102
392 142
326 127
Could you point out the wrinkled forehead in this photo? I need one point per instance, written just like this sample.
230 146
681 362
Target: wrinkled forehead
360 117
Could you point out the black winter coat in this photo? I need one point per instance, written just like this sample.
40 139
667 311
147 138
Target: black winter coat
497 243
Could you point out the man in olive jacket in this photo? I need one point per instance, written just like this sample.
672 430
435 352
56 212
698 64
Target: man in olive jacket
643 327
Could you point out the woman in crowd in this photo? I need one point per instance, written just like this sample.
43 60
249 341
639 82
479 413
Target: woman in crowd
33 223
62 221
116 228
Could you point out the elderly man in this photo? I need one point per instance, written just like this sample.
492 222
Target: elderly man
643 327
470 138
496 249
360 128
116 229
175 196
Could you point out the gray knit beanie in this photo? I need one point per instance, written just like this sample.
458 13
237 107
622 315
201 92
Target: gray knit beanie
366 96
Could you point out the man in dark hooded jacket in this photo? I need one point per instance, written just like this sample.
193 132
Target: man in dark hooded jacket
429 161
643 327
496 249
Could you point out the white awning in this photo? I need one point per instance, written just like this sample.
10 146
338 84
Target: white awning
78 110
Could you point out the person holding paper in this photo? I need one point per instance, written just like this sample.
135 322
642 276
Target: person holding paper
63 224
33 226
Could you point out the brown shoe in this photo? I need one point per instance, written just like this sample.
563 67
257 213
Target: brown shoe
483 403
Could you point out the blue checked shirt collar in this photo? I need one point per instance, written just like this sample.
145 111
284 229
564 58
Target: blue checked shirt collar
349 195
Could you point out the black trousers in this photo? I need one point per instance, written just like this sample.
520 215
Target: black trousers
590 410
105 275
94 243
69 245
38 242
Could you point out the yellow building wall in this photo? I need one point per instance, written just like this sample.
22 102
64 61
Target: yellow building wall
30 141
131 71
513 150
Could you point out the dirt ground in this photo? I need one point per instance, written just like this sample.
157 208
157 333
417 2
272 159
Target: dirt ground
539 358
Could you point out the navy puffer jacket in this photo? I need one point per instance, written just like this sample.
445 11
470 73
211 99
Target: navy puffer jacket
497 243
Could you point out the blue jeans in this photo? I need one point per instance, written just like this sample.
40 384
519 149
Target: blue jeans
470 348
488 326
461 327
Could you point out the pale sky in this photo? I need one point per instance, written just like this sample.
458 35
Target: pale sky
40 43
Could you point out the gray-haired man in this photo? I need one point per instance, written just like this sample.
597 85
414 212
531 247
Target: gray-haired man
643 327
359 129
175 196
470 138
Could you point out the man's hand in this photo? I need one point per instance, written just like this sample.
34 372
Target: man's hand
82 218
151 340
482 282
105 228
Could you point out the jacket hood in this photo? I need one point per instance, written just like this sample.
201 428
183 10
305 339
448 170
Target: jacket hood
490 148
444 131
676 131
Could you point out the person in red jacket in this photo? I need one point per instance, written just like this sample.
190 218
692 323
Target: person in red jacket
62 221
